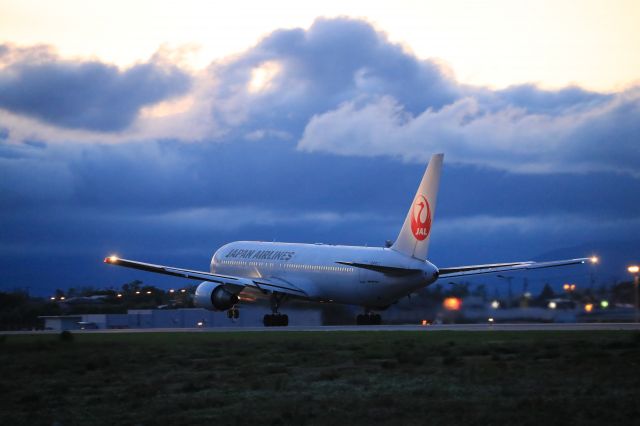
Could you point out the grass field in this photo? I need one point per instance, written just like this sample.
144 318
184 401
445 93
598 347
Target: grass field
340 378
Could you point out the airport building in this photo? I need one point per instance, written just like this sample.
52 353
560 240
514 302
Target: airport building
175 318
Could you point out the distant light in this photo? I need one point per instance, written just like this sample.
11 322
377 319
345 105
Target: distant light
527 295
566 287
183 291
171 290
552 305
425 322
573 287
490 320
200 323
119 295
633 269
137 291
148 291
52 298
495 304
62 297
594 259
604 304
588 307
452 304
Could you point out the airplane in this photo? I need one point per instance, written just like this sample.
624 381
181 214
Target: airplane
371 277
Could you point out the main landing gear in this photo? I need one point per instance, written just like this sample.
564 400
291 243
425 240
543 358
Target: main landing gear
276 319
368 319
233 313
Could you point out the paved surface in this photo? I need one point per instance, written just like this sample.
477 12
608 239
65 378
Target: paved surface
429 328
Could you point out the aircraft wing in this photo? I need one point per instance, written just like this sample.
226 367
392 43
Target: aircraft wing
264 285
459 271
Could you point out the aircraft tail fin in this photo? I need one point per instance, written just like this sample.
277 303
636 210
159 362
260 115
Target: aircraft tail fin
414 236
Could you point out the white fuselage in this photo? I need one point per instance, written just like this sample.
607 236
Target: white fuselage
314 268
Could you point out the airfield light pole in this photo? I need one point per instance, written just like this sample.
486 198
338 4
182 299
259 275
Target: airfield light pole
635 270
509 279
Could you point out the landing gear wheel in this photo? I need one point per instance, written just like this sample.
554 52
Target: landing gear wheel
368 319
275 320
233 313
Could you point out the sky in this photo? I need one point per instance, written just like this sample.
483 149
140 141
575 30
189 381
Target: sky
161 130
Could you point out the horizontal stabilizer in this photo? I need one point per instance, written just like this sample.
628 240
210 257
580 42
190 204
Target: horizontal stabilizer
503 267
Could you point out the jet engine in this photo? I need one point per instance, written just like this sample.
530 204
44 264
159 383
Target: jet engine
214 297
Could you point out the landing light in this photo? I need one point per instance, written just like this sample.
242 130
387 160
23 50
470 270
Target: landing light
594 259
588 307
490 320
495 304
552 305
633 269
111 259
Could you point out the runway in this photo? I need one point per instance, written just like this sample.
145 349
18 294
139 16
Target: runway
370 328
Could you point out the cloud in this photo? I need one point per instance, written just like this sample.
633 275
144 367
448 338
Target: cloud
334 61
538 101
602 136
339 87
342 87
81 94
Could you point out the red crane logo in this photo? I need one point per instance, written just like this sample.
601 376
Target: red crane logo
421 218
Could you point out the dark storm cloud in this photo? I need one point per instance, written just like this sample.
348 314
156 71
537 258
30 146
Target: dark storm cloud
175 203
163 177
84 94
539 101
334 61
